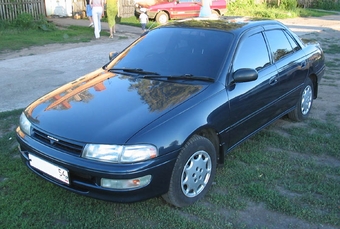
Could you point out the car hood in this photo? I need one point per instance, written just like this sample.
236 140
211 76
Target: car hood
104 107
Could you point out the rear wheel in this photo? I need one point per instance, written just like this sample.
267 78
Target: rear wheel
215 13
162 18
304 104
193 172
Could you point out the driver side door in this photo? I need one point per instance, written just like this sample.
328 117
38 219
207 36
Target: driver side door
252 104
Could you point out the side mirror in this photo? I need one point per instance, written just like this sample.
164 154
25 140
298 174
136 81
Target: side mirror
113 55
245 75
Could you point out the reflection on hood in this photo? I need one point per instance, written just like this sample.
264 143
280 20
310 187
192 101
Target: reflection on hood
159 95
60 98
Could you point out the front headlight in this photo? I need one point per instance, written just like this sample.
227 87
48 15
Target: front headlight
25 125
119 154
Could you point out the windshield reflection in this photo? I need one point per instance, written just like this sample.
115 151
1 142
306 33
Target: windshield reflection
178 51
160 95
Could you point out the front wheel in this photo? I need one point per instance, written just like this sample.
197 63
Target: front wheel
162 18
304 104
193 173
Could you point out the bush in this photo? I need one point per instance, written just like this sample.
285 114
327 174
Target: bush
288 4
4 24
327 5
43 24
24 21
242 3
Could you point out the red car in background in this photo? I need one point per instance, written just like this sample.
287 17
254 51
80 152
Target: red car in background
178 9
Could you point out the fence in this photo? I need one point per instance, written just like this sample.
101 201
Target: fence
126 8
10 9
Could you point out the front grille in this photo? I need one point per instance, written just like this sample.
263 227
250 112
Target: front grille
68 147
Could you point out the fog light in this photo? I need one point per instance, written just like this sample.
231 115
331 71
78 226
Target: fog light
126 184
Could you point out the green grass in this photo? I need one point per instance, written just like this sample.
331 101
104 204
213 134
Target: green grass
332 49
132 21
264 11
292 171
333 64
15 39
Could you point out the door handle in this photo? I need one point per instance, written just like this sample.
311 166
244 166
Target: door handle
303 64
273 80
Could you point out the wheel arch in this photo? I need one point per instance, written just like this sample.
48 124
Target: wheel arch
314 80
217 11
162 11
213 137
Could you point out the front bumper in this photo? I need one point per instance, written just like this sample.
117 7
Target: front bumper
85 175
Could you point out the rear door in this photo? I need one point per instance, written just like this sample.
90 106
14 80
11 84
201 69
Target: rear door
291 64
252 104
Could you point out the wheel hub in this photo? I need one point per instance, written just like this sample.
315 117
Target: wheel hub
306 101
196 174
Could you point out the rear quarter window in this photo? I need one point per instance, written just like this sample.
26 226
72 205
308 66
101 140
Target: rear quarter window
292 42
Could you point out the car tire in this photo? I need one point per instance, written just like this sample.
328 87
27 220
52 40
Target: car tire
162 18
193 173
305 102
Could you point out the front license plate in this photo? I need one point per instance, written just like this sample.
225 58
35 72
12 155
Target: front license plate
50 169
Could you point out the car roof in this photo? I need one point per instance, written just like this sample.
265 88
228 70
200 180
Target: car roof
234 25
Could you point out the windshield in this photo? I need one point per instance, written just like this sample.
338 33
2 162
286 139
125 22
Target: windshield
178 51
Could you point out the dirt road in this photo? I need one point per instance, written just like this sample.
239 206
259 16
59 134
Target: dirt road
31 73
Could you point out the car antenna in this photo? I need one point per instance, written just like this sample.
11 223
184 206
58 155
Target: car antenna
151 25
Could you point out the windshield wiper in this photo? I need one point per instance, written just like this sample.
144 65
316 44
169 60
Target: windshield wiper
153 75
134 70
180 77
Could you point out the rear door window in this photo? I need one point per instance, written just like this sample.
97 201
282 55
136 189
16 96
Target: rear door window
279 45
